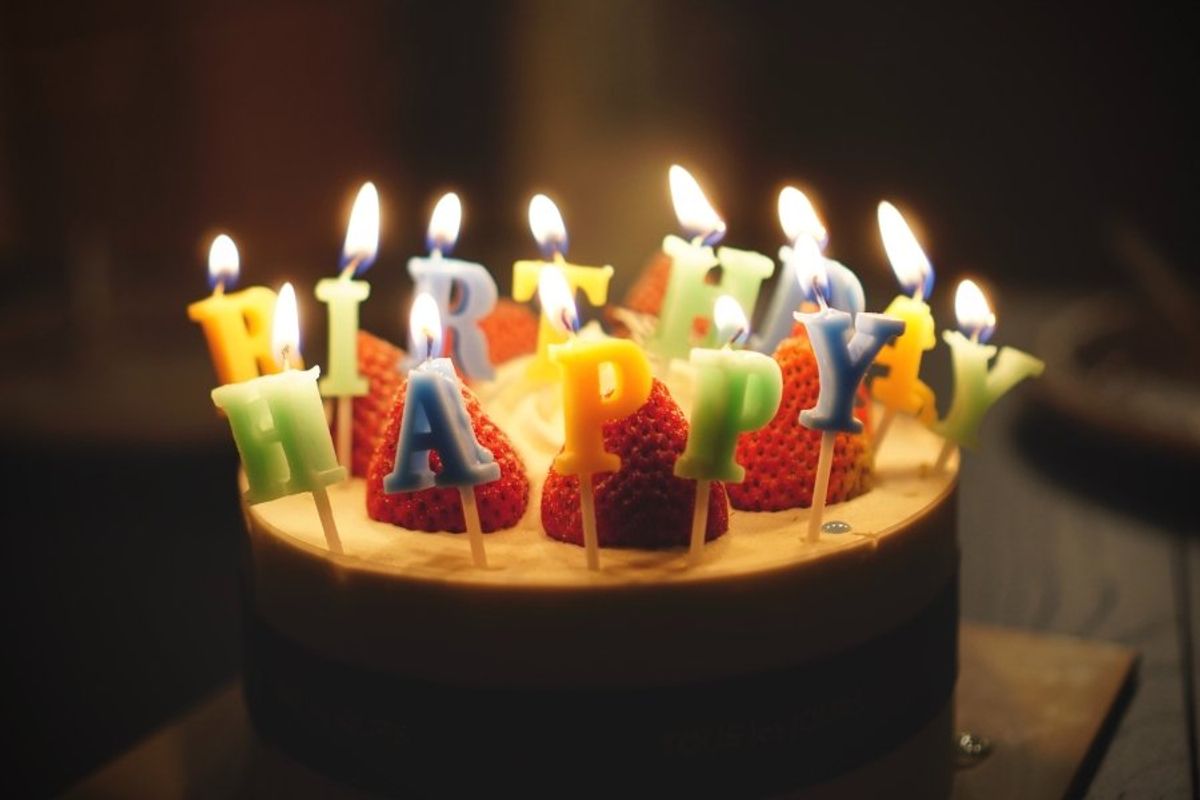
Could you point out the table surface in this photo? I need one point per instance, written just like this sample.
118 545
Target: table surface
116 624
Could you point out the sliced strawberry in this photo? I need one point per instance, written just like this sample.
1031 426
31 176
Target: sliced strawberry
379 360
781 458
511 330
643 504
501 503
646 294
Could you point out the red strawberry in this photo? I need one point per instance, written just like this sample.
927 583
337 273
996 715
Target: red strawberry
501 503
781 459
642 504
511 330
646 294
379 360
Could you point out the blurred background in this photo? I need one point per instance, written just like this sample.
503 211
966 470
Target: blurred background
1046 148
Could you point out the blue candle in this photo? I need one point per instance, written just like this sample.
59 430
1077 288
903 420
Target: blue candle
435 418
805 231
438 276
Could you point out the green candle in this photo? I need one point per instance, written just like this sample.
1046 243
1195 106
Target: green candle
976 387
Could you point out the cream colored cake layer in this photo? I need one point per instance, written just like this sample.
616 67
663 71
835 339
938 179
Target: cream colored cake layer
412 603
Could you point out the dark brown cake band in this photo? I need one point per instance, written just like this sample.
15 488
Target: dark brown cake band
747 736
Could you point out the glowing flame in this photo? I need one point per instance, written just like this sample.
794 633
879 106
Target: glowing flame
362 234
285 328
732 326
909 261
798 217
811 273
444 224
223 262
696 215
425 326
975 316
557 299
547 225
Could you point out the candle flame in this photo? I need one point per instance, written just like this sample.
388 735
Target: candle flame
223 262
425 326
557 299
732 326
811 273
547 225
362 233
975 316
696 215
285 328
798 217
444 224
908 260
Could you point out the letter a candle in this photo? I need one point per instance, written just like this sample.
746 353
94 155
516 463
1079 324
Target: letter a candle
237 325
900 390
343 295
278 423
585 407
976 387
736 392
842 360
435 419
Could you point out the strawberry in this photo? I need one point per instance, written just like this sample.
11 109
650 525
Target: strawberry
501 503
646 294
511 330
379 360
781 458
642 504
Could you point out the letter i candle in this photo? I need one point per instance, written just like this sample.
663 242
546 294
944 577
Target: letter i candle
278 423
842 360
585 407
343 295
976 387
736 392
435 419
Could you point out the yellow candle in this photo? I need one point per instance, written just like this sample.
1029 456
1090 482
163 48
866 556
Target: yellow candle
238 324
551 234
900 389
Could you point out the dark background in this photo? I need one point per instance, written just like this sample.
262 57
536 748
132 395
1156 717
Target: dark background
1017 138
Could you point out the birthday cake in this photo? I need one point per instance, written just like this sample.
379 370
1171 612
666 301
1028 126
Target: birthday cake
769 667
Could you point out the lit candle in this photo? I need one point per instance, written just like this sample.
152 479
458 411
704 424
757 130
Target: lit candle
439 277
689 296
435 419
900 389
802 227
551 234
736 392
585 407
237 325
278 423
842 360
976 387
343 295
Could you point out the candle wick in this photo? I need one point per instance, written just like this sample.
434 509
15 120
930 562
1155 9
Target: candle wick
285 356
219 289
819 294
350 268
919 294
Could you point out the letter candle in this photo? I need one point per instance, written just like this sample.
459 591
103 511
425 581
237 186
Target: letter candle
435 419
799 219
551 234
585 407
238 325
439 276
900 390
736 392
278 423
976 387
343 295
842 360
689 296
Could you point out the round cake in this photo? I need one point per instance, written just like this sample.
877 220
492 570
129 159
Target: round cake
773 667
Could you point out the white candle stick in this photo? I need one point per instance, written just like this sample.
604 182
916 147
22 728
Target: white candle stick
824 465
474 528
699 522
587 508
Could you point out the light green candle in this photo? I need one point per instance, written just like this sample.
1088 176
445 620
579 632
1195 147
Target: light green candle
735 392
343 295
976 387
279 427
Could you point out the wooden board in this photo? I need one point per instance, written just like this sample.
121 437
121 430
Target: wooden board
1042 700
